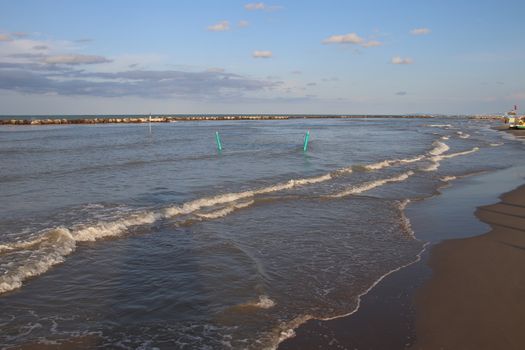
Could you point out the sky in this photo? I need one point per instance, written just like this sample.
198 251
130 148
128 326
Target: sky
284 57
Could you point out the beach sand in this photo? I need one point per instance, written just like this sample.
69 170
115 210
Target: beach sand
464 293
476 297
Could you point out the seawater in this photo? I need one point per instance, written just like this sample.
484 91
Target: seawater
124 236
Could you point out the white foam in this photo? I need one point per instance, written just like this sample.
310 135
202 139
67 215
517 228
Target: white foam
367 186
439 157
197 204
452 155
287 330
462 135
264 302
439 148
21 245
52 246
206 202
448 178
439 125
225 211
58 243
380 165
431 167
412 160
496 144
405 221
113 228
347 170
390 162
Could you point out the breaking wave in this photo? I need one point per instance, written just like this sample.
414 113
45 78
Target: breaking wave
436 159
367 186
50 247
225 211
388 163
264 302
439 148
439 125
462 135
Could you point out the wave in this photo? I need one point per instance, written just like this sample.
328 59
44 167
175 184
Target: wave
264 302
405 221
439 148
367 186
452 155
388 163
439 125
436 159
225 211
50 247
462 135
58 243
448 178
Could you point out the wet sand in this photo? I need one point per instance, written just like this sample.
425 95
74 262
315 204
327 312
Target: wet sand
476 297
464 293
518 133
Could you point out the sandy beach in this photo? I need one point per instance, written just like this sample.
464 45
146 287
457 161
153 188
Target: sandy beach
475 298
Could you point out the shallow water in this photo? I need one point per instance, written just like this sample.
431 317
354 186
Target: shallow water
130 238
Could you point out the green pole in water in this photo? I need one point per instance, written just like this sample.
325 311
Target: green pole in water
306 138
218 140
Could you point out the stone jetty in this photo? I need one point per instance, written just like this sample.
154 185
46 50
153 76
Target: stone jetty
170 119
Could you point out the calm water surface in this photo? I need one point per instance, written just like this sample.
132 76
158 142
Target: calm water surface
118 236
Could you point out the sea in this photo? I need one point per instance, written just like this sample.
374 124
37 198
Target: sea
139 236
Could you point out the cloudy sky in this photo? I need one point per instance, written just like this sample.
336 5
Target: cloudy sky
211 56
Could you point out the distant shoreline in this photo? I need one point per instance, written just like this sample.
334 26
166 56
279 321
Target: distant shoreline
46 120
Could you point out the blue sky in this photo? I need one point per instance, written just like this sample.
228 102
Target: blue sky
344 57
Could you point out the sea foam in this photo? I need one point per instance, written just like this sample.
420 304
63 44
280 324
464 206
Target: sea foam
367 186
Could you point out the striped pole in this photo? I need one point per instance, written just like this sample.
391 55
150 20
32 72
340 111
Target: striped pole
306 138
218 140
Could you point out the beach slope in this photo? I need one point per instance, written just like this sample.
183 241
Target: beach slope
476 296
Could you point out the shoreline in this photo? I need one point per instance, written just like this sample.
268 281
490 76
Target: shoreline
46 120
389 308
474 299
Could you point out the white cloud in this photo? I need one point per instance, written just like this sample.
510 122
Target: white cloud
75 59
243 24
350 38
262 54
372 43
420 31
401 60
5 37
219 27
255 6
